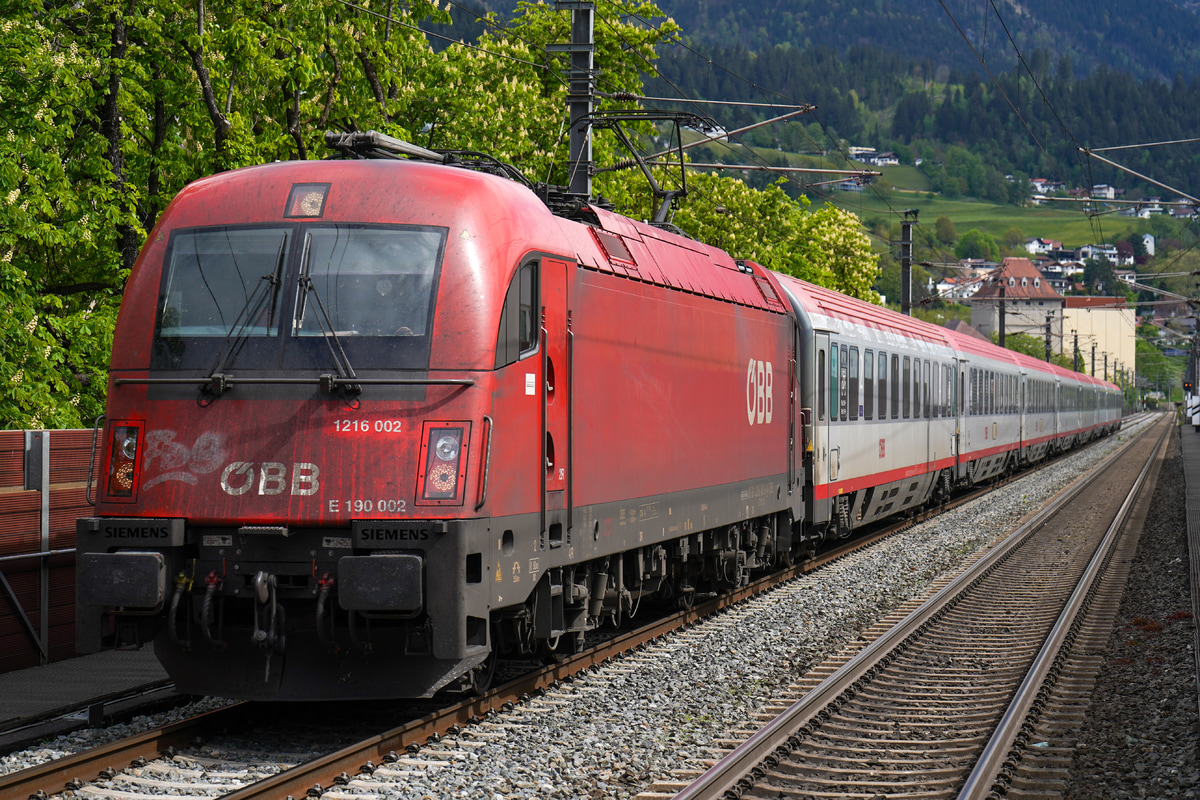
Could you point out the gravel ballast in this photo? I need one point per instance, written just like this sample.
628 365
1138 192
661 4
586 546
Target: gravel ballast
616 731
1142 729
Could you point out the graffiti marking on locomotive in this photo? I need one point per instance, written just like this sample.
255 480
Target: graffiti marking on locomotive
760 396
177 461
239 478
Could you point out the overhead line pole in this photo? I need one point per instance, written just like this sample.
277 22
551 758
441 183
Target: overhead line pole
581 79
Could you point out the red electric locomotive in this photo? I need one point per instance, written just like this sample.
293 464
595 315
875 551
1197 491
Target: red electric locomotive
373 421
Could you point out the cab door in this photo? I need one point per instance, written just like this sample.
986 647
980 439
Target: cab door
555 403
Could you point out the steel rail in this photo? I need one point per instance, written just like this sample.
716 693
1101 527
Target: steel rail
317 775
53 777
992 761
730 772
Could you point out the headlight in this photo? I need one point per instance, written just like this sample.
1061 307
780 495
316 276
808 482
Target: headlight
443 463
447 448
123 460
129 447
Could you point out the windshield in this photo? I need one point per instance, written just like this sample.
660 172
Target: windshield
371 282
269 297
216 277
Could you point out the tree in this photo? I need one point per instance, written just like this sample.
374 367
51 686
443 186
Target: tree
107 109
976 244
826 247
1098 275
1034 346
1014 239
944 227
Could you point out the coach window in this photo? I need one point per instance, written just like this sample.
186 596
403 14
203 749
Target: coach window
935 390
518 329
948 400
883 387
973 400
821 384
917 385
925 391
896 387
852 363
906 392
833 381
844 386
868 384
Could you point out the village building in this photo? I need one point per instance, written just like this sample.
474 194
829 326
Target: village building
1105 331
1029 302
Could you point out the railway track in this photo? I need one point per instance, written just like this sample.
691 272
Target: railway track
156 761
948 701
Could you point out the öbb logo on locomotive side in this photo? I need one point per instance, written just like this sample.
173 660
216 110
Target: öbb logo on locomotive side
760 399
272 478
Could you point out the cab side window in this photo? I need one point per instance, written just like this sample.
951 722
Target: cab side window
518 323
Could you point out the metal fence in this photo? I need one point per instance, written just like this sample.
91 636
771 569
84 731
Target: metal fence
43 488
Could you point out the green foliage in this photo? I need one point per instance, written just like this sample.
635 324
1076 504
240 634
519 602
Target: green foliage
945 230
1034 346
976 244
826 246
108 109
1158 371
1149 40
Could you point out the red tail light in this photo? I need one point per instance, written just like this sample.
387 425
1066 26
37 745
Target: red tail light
443 463
124 449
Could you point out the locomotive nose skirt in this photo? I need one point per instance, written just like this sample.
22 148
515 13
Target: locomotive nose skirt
387 582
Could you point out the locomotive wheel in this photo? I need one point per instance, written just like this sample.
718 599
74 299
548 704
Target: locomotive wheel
480 678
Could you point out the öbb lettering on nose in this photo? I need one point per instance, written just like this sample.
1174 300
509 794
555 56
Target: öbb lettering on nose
270 478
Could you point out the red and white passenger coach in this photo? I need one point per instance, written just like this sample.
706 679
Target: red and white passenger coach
374 421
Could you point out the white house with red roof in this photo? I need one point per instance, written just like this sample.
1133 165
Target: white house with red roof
1029 302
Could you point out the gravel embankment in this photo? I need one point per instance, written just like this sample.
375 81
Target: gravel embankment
616 731
1142 731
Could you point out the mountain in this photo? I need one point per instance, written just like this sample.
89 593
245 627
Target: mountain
1147 39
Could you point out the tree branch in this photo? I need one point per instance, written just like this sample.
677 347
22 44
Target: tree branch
373 78
221 126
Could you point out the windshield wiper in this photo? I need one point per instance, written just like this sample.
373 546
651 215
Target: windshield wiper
345 377
238 331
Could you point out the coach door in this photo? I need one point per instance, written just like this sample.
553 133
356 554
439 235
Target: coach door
824 407
960 412
556 402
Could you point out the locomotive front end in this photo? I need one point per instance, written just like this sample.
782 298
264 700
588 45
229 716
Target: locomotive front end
293 463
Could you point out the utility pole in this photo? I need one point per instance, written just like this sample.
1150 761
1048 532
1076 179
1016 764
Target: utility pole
1106 366
1093 358
1049 321
1075 362
581 80
1002 312
910 216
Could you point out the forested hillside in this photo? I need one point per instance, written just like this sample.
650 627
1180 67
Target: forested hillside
1151 38
961 124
